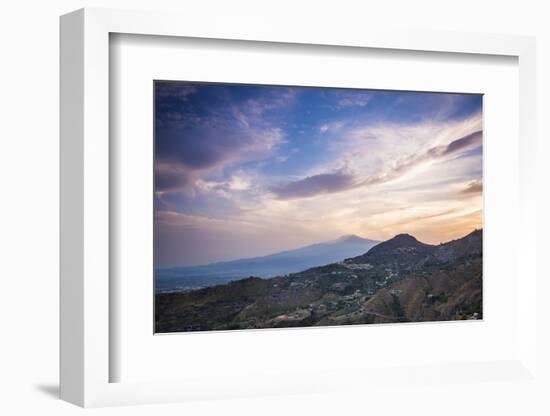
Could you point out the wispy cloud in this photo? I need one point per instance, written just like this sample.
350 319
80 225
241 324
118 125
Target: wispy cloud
353 99
342 180
406 164
275 99
332 126
474 187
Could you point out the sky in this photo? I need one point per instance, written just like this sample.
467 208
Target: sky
248 170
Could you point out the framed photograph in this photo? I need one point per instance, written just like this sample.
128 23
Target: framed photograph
292 173
275 212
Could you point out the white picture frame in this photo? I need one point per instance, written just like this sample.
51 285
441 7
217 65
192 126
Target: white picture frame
85 211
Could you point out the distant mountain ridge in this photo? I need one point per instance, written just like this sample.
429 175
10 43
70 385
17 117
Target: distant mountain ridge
398 280
281 263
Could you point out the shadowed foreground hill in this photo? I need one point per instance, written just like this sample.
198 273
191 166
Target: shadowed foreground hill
399 280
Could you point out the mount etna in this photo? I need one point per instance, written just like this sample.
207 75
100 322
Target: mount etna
179 279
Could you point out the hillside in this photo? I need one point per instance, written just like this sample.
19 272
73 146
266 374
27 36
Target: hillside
282 263
399 280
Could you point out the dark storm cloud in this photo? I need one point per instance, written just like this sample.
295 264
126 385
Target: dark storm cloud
324 183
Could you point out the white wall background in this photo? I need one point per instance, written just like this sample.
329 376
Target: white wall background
29 189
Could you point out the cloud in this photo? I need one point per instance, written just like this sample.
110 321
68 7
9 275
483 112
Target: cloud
174 90
341 180
238 181
380 150
462 144
408 163
424 217
331 126
206 146
276 98
169 177
184 154
210 132
314 185
178 219
353 99
474 187
211 199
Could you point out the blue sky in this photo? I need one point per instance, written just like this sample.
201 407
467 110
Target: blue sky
244 170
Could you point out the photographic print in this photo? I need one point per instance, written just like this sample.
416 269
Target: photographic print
289 206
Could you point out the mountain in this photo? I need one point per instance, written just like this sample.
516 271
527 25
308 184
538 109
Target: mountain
282 263
401 253
404 253
399 280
